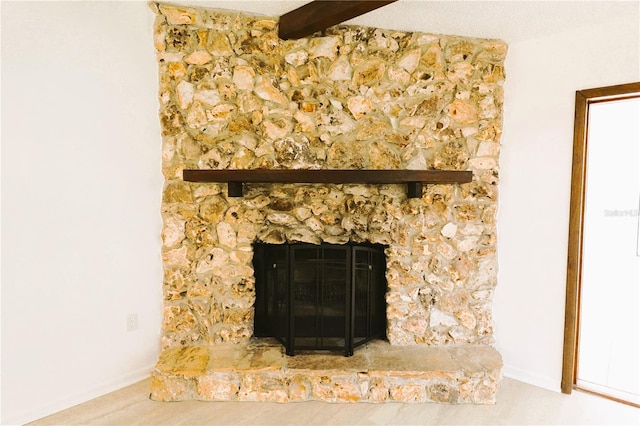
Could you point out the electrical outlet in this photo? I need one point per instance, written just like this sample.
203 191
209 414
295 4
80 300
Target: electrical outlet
132 322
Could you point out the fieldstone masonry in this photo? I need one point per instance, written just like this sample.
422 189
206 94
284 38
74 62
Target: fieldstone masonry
233 95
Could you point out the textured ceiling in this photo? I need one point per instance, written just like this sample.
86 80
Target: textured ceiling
511 21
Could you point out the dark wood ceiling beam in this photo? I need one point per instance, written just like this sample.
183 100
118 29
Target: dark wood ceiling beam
322 14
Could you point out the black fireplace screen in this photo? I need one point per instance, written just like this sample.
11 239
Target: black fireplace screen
327 296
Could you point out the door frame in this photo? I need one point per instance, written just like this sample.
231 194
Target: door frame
584 98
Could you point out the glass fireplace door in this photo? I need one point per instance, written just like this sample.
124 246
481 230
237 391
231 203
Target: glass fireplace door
320 297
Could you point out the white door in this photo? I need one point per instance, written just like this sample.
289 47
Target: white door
608 355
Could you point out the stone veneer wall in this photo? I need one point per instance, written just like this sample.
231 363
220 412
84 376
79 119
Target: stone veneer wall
233 95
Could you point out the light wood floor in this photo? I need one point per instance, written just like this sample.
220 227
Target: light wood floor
518 403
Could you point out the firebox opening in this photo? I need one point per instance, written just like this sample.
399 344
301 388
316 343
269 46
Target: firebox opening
320 297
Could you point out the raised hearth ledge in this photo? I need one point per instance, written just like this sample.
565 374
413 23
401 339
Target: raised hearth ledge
377 372
413 178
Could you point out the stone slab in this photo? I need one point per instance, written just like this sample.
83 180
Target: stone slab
377 372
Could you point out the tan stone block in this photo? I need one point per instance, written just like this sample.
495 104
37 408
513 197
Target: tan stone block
178 319
489 217
437 318
243 77
466 387
336 388
297 58
378 391
172 231
340 69
483 163
466 212
495 74
398 75
176 257
177 69
428 107
272 236
263 387
467 318
485 392
324 47
212 208
265 90
299 388
277 129
220 386
177 192
303 235
214 260
169 388
407 393
219 45
416 325
368 72
187 360
442 393
242 159
176 281
446 250
495 50
176 15
169 57
241 256
237 316
199 232
343 156
338 239
462 112
185 92
370 127
336 122
202 288
282 219
196 116
226 235
432 58
199 57
159 34
410 60
488 149
488 107
359 106
460 71
490 132
210 97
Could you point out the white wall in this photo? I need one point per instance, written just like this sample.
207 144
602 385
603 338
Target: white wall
81 188
542 77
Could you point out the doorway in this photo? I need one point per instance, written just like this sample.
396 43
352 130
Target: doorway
601 349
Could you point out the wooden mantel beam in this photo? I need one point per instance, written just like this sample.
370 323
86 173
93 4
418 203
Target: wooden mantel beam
322 14
413 178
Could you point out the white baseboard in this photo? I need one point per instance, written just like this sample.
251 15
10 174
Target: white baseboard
531 378
79 397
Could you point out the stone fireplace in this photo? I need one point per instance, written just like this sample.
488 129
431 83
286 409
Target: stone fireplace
235 96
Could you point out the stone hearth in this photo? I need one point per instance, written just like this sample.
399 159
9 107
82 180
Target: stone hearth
235 96
378 372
